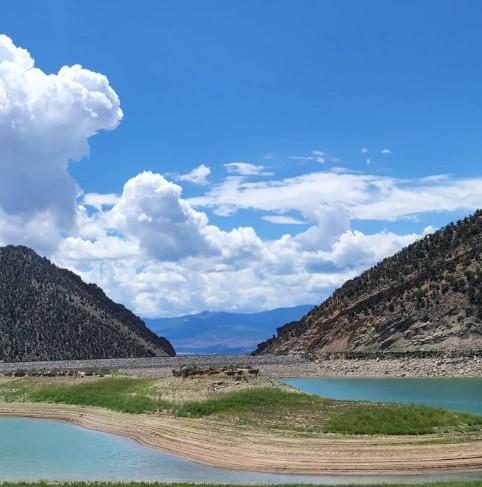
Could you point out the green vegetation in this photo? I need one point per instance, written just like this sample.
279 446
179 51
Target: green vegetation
266 408
122 394
399 419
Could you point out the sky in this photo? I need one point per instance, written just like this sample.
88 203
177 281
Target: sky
239 155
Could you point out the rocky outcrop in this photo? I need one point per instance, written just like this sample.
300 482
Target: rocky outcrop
426 297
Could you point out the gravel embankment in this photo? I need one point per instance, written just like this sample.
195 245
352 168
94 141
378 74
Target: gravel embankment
277 365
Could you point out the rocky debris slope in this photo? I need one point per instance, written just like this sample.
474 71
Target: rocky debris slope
48 313
427 296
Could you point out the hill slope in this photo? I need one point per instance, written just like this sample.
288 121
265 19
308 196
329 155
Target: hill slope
222 332
48 313
427 296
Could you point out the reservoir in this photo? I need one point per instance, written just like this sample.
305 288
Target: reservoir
462 394
33 450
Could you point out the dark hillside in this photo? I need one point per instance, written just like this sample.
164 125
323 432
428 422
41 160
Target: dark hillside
48 313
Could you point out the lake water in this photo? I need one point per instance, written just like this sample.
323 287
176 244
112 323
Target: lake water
32 450
463 394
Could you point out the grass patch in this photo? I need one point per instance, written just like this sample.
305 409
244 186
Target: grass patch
263 408
124 394
399 419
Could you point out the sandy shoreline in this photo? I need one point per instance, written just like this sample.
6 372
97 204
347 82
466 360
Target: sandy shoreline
216 445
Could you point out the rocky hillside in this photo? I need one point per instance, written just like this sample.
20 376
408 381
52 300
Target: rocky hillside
427 296
47 313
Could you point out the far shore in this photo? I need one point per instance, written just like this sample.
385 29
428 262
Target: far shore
212 444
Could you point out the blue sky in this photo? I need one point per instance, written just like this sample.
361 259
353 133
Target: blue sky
267 83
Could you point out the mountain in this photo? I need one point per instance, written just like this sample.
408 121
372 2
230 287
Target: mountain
48 313
427 296
222 332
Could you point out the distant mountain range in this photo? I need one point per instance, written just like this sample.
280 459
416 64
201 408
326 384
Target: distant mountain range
427 296
48 313
223 332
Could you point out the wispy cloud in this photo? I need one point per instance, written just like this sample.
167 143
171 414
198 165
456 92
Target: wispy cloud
198 175
283 220
315 155
247 169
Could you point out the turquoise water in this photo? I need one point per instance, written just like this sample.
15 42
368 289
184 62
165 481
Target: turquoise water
48 450
461 394
33 450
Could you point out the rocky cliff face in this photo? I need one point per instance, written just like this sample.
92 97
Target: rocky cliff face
427 296
47 313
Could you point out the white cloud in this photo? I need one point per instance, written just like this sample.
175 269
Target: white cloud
98 200
386 152
246 274
198 176
316 155
45 121
151 209
247 169
363 196
158 255
364 150
283 220
156 252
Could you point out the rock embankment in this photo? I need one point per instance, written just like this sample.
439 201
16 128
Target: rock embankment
339 365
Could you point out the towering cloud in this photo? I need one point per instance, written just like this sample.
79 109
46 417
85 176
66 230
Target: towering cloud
45 121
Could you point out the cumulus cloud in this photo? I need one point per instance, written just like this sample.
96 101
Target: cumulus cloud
151 208
157 252
154 252
386 152
246 273
98 201
247 169
45 121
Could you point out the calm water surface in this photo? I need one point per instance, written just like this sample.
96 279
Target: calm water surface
462 394
33 450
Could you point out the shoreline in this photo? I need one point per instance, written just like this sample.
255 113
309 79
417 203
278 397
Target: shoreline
217 445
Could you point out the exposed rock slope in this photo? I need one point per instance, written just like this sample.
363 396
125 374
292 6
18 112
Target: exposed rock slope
47 313
427 296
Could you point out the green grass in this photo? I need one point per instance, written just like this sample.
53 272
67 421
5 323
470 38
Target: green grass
122 394
267 408
399 419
